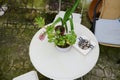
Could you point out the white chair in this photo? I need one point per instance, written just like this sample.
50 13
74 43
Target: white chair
32 75
107 30
76 21
3 9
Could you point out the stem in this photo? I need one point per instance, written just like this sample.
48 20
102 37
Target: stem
71 23
66 28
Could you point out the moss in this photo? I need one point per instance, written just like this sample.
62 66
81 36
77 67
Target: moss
15 39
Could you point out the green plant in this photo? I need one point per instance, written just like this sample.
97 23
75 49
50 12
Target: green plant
40 22
67 17
61 39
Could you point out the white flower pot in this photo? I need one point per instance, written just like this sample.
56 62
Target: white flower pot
63 49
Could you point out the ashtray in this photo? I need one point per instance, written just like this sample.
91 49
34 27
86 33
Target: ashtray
84 44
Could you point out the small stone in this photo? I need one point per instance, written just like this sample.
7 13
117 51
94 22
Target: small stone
108 72
95 78
98 72
101 66
106 79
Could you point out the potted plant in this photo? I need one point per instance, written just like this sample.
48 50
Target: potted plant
59 34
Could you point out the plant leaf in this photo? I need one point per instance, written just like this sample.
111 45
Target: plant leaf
71 23
40 22
70 11
57 20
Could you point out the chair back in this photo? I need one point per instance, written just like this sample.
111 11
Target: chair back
107 27
32 75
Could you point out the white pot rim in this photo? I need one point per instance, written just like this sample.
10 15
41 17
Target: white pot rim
63 49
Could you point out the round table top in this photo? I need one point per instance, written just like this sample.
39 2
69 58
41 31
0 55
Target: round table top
55 64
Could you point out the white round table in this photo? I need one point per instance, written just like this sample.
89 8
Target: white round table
62 65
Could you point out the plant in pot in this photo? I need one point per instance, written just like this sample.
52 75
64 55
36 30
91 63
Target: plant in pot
59 32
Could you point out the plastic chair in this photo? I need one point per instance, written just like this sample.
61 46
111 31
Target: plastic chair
76 20
3 9
104 28
32 75
115 41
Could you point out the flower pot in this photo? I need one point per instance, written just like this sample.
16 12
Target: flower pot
65 49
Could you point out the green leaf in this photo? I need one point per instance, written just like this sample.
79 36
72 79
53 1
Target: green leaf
40 22
75 5
49 29
66 27
66 16
57 20
71 23
70 11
